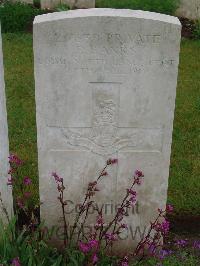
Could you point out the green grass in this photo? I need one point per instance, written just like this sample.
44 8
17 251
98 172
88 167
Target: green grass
160 6
184 182
18 64
184 185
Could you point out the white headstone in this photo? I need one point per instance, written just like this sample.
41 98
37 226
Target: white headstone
71 3
24 1
189 9
105 87
6 192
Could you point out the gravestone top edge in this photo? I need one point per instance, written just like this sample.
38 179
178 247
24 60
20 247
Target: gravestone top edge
106 12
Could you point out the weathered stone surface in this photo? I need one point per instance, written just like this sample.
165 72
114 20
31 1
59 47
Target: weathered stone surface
105 87
72 3
6 192
189 9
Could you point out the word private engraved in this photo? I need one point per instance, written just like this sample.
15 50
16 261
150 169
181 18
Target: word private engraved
105 136
111 37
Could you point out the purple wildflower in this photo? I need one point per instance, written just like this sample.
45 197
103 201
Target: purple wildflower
138 173
132 192
124 261
93 243
112 161
196 244
104 173
132 201
181 243
56 177
27 181
125 226
152 249
169 208
16 262
110 236
164 226
84 247
94 259
164 253
138 177
15 159
100 220
160 211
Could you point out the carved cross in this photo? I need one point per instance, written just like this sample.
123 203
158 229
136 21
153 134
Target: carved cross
105 137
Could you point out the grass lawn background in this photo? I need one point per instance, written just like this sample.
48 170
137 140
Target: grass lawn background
184 182
165 7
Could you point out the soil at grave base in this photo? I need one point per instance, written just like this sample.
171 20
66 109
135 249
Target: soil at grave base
185 224
188 27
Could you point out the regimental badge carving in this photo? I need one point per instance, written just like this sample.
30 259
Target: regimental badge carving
105 136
